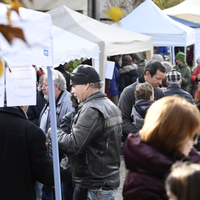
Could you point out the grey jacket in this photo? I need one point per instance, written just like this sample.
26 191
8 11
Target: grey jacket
138 121
126 102
94 143
63 106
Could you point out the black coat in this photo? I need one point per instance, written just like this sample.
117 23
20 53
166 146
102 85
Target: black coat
34 111
22 156
174 89
128 75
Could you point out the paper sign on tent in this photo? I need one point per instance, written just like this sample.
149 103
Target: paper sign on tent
109 69
21 87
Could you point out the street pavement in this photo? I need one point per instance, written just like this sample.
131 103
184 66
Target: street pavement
122 178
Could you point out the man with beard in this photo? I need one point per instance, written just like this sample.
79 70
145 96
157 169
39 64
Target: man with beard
63 106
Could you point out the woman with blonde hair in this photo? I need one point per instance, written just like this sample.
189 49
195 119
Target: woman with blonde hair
197 98
166 137
183 182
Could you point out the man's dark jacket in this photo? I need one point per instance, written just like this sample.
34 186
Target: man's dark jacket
94 143
126 102
174 89
34 111
22 156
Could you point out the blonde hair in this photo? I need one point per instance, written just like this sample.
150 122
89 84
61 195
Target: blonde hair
169 123
144 91
197 97
184 181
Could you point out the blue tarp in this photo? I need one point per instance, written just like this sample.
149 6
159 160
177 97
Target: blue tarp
185 22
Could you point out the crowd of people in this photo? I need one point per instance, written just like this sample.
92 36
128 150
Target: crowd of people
150 117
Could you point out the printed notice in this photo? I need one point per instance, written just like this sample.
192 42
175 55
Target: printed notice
109 69
21 86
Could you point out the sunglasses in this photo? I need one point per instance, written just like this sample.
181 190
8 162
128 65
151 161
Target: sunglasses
195 138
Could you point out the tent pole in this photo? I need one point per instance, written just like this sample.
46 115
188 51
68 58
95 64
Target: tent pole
56 166
148 55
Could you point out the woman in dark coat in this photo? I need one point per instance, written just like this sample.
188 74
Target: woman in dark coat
166 137
128 73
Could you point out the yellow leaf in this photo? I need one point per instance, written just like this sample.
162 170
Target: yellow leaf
1 68
115 13
15 4
8 16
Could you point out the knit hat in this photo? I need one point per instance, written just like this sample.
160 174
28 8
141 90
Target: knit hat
180 56
84 74
173 76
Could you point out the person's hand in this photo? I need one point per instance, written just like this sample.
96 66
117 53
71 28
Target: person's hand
48 144
198 77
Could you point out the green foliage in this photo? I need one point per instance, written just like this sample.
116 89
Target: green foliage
164 4
72 65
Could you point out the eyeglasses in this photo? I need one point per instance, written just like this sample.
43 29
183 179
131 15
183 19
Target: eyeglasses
195 138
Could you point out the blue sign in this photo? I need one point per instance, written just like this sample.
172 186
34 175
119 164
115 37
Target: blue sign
46 52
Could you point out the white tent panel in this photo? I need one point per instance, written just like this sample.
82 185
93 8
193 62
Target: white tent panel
148 19
68 46
111 40
188 10
36 27
51 4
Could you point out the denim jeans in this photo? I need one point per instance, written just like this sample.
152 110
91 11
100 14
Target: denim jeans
67 191
91 194
106 194
47 192
38 189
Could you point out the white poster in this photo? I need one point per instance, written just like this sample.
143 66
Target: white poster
21 86
109 69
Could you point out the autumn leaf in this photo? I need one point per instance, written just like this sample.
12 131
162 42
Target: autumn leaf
1 68
15 4
8 16
11 32
115 13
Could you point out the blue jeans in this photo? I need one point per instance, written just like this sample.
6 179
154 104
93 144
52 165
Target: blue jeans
47 192
67 191
106 194
38 189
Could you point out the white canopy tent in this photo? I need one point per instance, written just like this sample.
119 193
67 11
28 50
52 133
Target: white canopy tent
67 46
148 19
111 40
44 5
188 10
36 28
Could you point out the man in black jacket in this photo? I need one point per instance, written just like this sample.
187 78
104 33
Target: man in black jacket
22 155
174 86
153 74
94 140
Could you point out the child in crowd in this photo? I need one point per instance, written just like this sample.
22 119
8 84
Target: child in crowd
144 94
183 182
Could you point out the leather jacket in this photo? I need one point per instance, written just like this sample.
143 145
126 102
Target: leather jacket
94 143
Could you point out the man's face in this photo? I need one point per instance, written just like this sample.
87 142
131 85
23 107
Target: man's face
156 80
178 62
117 58
45 88
79 91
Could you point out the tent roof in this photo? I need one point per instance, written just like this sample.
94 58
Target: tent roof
149 19
98 32
67 46
185 22
37 50
188 10
111 40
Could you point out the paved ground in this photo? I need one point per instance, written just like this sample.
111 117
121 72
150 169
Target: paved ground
122 178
